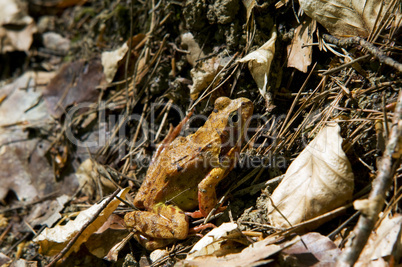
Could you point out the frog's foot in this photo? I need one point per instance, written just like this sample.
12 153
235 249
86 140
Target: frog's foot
150 243
164 222
201 227
198 214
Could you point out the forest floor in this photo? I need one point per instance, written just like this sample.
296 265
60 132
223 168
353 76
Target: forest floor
90 89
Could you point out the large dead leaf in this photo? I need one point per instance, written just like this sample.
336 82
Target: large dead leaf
345 17
53 240
319 180
259 64
24 168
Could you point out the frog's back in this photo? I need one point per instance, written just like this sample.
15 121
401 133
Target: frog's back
174 176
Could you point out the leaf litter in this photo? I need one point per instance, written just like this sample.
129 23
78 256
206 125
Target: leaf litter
122 57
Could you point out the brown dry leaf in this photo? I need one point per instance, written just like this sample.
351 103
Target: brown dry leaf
299 57
212 243
259 63
383 243
53 240
345 17
315 250
256 254
76 82
21 156
16 27
319 180
249 5
90 180
204 73
111 61
107 236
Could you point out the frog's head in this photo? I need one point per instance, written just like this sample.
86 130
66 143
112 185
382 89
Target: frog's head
230 118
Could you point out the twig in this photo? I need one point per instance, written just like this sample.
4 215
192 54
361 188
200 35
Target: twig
381 184
72 241
345 65
368 46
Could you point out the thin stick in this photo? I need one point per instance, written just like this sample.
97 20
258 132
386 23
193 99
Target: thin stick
345 65
368 46
381 184
72 241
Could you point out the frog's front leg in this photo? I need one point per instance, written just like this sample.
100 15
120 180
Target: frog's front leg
163 222
206 188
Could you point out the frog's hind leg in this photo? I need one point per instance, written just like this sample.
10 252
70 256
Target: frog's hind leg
164 222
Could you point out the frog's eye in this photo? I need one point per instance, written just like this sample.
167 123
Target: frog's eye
233 118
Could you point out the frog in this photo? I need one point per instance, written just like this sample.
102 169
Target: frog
184 173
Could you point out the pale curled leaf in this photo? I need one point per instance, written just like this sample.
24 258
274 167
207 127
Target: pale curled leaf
53 240
319 180
210 244
345 17
259 63
194 49
111 61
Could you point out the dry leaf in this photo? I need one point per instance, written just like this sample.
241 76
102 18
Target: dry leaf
299 57
259 63
53 240
56 42
313 249
204 73
47 212
249 5
106 237
256 254
384 242
111 61
76 82
25 160
20 36
211 244
194 49
345 17
90 180
4 259
319 180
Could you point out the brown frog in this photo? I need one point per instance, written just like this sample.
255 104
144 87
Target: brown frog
184 173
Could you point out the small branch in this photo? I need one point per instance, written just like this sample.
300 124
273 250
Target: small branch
381 184
368 46
72 241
